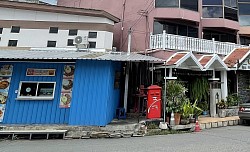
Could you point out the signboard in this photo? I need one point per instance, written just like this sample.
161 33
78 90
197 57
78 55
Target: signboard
67 86
5 77
40 72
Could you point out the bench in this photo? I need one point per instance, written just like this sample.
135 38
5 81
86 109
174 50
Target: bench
32 132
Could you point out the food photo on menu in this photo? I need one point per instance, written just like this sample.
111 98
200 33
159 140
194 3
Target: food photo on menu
3 97
67 85
69 71
6 70
65 100
4 83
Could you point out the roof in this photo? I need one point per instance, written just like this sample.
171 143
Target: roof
236 56
212 61
58 9
65 54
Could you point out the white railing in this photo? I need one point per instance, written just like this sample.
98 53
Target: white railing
177 42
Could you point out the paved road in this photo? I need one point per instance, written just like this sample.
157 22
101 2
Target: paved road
227 139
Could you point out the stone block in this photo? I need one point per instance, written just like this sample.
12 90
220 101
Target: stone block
99 135
214 124
236 122
203 126
224 123
208 125
219 124
230 122
115 135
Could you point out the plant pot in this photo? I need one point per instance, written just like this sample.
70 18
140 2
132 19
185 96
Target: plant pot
184 121
177 118
192 120
204 113
222 113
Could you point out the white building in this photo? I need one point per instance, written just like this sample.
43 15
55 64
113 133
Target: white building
37 25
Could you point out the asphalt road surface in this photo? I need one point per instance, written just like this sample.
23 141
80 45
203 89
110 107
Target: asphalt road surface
226 139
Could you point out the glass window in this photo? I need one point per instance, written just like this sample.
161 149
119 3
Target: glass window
70 42
12 43
73 32
243 0
192 32
244 20
92 34
191 5
15 29
244 9
212 2
182 30
36 90
158 27
231 14
92 44
166 3
1 30
53 30
28 89
244 40
51 44
212 12
231 3
219 36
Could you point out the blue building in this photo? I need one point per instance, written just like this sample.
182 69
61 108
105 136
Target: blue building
66 87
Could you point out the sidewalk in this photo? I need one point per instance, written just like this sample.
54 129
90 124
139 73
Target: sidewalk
213 122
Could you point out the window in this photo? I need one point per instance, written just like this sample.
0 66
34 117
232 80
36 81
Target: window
15 29
244 40
12 43
166 3
212 2
51 44
244 20
92 44
244 9
92 34
73 32
219 36
231 3
212 12
231 14
1 30
53 30
70 42
36 90
190 5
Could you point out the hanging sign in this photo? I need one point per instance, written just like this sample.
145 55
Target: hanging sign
40 72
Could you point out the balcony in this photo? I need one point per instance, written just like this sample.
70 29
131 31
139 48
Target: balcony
176 42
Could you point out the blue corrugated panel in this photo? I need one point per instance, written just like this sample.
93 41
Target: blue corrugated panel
93 94
30 111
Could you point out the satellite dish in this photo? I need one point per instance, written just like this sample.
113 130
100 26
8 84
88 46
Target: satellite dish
78 40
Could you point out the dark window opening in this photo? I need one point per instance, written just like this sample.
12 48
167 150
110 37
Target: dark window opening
15 29
73 32
92 34
219 36
12 43
244 40
1 30
70 42
53 30
212 2
166 3
28 89
51 44
231 14
190 5
212 12
92 44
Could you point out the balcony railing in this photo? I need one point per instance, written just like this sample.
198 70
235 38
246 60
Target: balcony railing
176 42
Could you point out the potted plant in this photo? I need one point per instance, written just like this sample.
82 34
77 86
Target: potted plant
175 96
222 108
204 106
190 111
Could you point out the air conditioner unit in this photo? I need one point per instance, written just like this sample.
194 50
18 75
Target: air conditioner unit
81 41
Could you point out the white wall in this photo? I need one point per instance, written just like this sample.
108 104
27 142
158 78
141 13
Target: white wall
17 14
39 38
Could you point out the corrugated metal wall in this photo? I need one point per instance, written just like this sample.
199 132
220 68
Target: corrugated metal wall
94 98
35 112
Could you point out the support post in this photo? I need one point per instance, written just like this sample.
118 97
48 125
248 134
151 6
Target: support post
152 74
164 40
224 89
165 93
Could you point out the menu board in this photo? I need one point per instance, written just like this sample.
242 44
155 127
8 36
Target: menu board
40 72
67 86
5 78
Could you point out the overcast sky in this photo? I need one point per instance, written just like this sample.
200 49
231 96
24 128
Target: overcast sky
50 1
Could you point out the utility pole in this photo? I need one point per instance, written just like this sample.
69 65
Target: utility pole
127 71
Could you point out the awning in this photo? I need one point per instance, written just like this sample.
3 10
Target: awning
75 55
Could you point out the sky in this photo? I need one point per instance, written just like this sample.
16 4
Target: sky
50 1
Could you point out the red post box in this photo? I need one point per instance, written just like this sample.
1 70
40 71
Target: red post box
154 102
